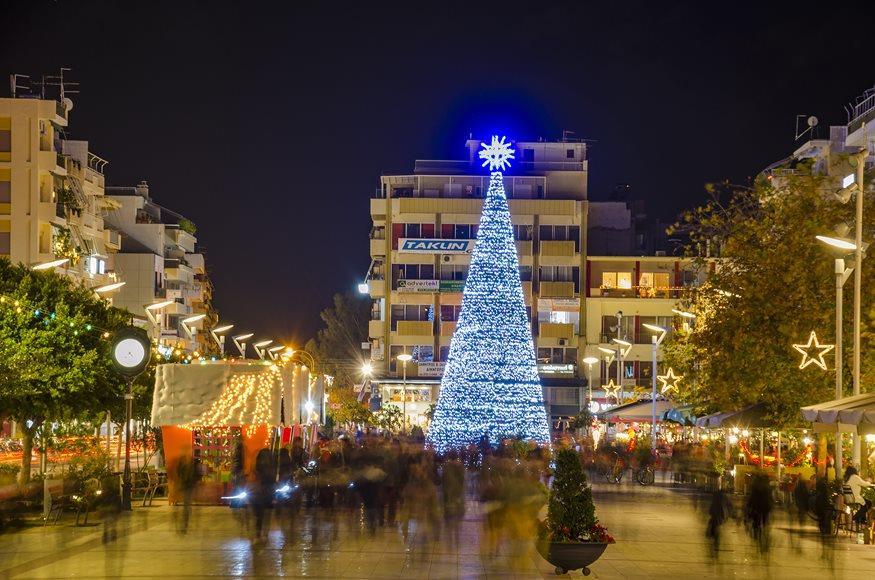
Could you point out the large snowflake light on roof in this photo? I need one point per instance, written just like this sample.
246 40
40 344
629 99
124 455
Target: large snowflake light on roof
497 155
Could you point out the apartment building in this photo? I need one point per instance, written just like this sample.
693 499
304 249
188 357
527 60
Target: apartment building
159 261
424 226
52 193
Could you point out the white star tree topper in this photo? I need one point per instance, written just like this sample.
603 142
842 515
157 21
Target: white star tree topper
497 155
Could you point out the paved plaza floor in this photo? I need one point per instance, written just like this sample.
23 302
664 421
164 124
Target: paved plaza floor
659 531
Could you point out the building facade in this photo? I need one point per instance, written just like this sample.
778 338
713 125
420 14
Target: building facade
159 261
52 193
424 226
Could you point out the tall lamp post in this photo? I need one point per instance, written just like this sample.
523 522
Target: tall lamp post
623 348
404 358
218 334
841 276
131 350
860 158
589 361
659 334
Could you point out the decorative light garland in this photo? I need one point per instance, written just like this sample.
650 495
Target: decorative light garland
491 385
246 399
669 381
817 357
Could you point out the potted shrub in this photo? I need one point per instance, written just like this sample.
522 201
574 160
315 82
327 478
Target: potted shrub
571 537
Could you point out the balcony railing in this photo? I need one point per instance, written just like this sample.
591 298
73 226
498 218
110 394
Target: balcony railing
636 292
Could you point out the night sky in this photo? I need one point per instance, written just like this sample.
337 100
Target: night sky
269 125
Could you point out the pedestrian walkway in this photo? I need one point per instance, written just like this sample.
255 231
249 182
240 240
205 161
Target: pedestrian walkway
659 531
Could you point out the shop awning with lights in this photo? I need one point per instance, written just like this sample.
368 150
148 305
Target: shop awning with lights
640 411
748 417
848 414
681 415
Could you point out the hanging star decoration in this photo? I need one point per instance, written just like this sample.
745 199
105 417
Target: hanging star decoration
497 155
813 351
669 381
612 390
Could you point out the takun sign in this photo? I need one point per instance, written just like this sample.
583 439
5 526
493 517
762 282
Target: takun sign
435 246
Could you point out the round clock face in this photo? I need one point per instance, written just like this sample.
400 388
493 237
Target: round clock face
129 352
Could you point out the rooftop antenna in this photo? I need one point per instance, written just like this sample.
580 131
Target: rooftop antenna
811 123
566 134
14 83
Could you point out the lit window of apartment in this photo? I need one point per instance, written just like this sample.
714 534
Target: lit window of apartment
415 271
653 284
403 230
621 280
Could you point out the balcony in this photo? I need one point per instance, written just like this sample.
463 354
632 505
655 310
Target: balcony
378 247
556 330
635 292
523 248
557 290
448 328
376 288
558 253
415 328
376 328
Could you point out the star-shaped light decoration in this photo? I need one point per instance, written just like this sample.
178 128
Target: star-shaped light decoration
669 381
497 155
813 351
612 390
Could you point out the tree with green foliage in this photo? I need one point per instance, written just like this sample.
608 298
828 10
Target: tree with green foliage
338 346
772 285
54 357
389 418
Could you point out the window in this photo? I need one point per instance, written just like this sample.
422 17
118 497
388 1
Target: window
558 274
5 243
412 231
449 312
526 273
617 280
569 153
463 232
454 271
654 279
445 353
522 232
5 137
609 328
529 155
545 233
408 312
557 356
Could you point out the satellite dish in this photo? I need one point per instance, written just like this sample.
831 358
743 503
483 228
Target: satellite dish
812 121
68 106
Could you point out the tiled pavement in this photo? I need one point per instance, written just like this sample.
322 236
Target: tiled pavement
659 534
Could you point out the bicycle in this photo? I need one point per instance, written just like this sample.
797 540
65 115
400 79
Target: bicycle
615 473
645 475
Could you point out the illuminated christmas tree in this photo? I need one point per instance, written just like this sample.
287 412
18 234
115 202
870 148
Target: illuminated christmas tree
491 385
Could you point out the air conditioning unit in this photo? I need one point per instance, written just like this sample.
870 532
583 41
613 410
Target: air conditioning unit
563 342
446 258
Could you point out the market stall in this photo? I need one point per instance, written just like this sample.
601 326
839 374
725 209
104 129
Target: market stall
214 414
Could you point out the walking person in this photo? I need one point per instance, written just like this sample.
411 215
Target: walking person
718 512
757 510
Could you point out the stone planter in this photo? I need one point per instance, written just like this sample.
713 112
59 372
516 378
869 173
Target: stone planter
567 556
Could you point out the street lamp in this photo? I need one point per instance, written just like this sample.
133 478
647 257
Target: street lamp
404 358
190 330
50 265
841 276
623 348
218 334
259 347
659 334
106 288
367 369
152 314
240 342
589 361
274 351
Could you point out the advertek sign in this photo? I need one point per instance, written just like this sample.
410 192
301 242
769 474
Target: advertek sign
418 285
430 246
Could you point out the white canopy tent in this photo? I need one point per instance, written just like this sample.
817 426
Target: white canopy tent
854 414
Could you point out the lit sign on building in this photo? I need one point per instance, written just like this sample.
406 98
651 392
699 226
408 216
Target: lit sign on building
435 246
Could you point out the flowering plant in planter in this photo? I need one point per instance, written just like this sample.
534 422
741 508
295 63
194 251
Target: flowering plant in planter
570 510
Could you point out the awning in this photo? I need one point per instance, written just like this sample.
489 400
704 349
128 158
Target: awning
680 415
637 411
751 416
856 410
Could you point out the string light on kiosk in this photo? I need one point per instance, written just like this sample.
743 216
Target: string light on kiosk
491 385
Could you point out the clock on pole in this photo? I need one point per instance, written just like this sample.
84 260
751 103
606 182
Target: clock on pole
130 352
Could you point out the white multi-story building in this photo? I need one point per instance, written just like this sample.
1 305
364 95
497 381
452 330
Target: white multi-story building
424 227
52 193
159 262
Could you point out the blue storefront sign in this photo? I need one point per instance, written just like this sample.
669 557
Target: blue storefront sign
435 246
